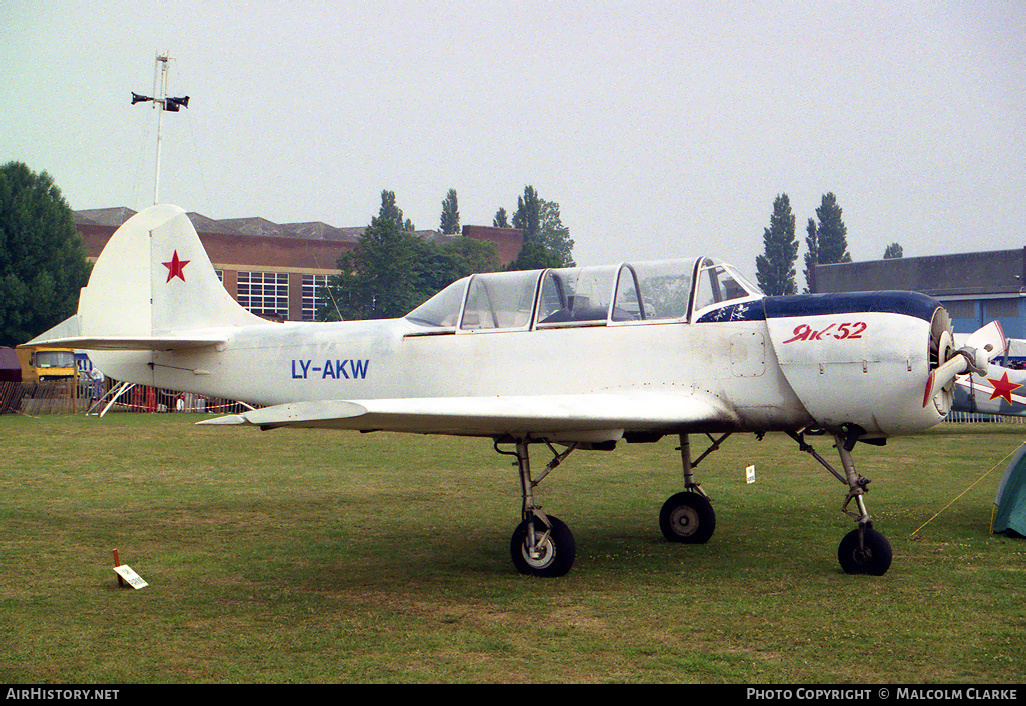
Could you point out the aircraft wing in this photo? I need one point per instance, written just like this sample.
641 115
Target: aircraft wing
583 417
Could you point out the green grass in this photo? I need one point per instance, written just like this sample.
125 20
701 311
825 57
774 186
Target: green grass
310 556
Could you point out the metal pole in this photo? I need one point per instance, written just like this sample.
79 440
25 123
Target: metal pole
158 103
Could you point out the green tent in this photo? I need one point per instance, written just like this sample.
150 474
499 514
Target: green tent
1010 502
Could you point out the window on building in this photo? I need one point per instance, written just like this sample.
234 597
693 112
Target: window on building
312 287
264 293
1000 309
961 309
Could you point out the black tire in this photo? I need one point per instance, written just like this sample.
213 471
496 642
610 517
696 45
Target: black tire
558 550
873 560
687 518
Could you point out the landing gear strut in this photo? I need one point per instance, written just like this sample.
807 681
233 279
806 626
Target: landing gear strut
542 545
688 517
863 550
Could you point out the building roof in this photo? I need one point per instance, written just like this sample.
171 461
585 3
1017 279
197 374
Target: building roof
964 274
257 241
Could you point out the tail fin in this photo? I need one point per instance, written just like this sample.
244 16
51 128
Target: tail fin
152 288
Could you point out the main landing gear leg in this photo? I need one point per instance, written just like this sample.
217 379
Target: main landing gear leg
688 517
541 545
863 550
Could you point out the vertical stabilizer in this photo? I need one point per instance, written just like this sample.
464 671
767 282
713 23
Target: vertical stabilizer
153 287
154 279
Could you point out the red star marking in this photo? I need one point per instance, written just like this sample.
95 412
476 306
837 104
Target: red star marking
175 267
1003 388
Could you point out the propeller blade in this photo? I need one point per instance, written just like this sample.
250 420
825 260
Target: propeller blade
975 354
990 339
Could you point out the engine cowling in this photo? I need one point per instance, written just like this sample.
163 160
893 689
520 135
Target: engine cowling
862 358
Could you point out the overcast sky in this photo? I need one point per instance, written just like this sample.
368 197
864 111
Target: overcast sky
662 129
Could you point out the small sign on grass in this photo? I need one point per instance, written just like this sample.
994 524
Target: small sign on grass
125 573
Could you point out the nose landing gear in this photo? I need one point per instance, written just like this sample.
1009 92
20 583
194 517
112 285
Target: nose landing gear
863 550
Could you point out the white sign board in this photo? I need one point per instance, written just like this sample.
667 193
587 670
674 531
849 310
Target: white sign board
750 475
134 579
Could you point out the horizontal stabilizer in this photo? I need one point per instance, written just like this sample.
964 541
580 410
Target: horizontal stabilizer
569 416
68 334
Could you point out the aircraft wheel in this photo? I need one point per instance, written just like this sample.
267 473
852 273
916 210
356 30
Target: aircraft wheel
687 518
874 559
554 554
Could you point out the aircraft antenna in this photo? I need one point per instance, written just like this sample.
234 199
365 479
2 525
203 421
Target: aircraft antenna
161 103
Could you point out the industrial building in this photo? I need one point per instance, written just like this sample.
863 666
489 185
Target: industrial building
275 270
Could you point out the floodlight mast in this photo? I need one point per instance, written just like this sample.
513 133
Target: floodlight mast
160 103
161 65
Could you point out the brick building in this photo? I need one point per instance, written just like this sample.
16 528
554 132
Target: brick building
275 269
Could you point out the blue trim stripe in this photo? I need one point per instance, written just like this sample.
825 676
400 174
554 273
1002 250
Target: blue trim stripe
743 311
913 304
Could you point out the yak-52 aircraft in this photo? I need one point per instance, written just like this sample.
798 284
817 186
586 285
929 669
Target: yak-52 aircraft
577 358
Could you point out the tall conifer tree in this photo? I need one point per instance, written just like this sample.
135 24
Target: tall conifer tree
832 233
450 224
775 267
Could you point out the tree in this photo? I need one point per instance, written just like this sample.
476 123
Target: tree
42 261
391 270
534 256
831 232
553 235
528 215
390 211
812 256
542 226
893 252
439 265
827 242
378 278
775 267
450 224
471 256
500 220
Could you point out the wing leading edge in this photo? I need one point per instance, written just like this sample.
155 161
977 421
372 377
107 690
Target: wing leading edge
586 417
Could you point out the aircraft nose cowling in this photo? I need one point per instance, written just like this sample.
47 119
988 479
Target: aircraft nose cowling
861 358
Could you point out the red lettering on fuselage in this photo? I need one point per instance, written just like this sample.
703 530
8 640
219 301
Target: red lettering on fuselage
842 332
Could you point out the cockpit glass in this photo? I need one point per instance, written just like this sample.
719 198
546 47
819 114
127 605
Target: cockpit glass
443 309
651 291
718 282
575 295
581 296
500 300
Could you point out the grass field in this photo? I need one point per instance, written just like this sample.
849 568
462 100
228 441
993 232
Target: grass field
309 556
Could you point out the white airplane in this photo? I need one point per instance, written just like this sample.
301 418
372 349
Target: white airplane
578 358
998 392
